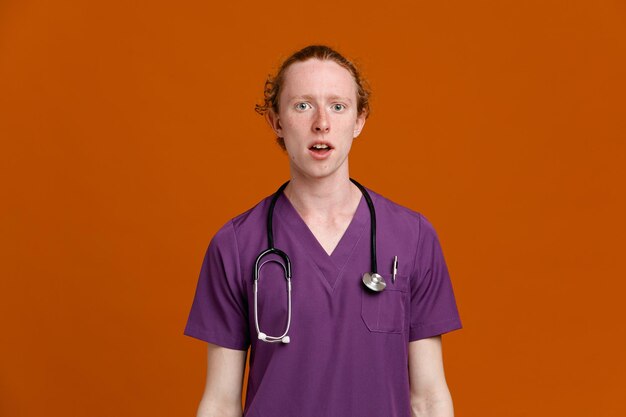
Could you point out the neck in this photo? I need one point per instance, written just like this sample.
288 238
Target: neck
328 196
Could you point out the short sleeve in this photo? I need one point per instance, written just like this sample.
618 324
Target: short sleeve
218 313
433 305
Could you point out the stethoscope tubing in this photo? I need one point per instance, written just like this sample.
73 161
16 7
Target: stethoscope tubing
287 263
370 205
287 270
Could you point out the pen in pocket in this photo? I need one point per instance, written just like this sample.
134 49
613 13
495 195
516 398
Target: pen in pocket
395 269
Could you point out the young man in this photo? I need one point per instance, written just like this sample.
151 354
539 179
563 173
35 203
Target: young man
360 333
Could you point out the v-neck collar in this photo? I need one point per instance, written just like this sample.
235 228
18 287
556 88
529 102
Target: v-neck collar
331 266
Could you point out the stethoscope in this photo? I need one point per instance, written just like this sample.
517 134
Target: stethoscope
372 280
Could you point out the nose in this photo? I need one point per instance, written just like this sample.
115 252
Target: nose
321 124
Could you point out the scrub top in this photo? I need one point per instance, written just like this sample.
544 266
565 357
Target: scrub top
348 354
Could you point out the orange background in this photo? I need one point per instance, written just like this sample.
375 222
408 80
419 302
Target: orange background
129 137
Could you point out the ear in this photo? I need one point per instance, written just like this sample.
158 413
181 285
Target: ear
274 121
359 124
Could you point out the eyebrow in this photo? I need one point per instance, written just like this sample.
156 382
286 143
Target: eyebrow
310 97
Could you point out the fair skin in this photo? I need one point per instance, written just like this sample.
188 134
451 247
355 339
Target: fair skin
224 383
318 105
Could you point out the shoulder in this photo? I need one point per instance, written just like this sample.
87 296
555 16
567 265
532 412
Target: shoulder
404 219
244 224
382 203
390 208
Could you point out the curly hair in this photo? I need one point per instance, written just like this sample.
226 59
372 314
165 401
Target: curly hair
274 83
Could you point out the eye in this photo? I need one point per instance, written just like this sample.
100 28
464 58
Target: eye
302 106
338 107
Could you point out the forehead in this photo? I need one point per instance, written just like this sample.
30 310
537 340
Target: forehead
315 77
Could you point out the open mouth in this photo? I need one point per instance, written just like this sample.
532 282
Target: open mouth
320 148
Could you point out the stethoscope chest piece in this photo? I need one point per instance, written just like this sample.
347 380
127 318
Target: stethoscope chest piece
374 281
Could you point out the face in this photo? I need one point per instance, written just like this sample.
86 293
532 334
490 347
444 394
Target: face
317 118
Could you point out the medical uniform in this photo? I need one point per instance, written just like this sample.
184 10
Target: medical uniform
348 354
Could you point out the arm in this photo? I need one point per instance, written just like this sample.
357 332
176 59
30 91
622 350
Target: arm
222 393
430 396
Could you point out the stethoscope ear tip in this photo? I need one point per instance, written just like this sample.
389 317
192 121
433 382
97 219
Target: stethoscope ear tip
286 339
262 336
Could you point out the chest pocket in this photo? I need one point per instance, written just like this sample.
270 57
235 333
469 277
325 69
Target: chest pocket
386 311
